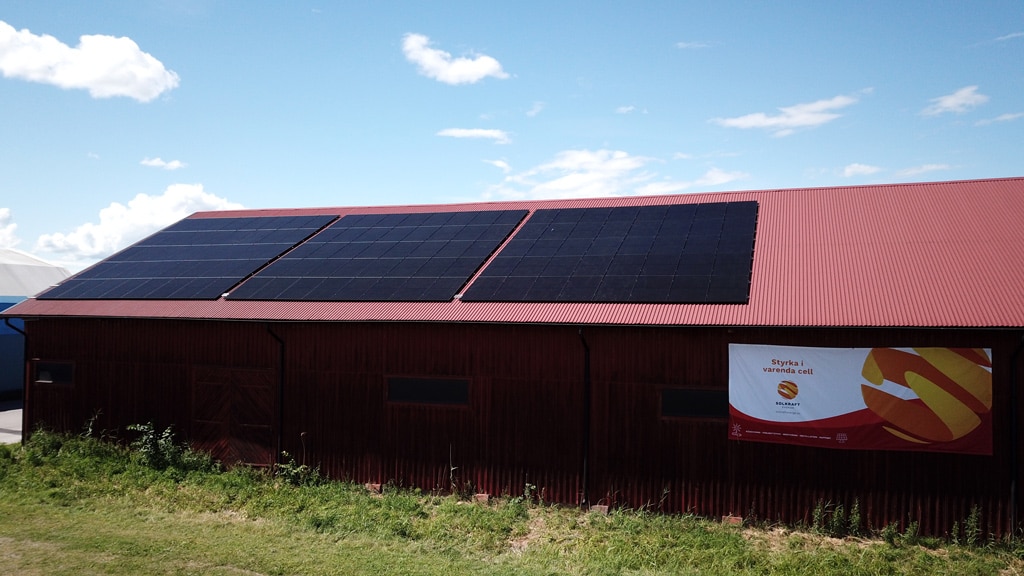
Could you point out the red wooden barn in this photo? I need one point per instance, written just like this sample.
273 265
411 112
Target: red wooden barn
589 350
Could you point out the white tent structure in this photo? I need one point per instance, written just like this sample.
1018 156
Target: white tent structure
21 276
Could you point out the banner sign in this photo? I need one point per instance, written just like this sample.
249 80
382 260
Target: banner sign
927 399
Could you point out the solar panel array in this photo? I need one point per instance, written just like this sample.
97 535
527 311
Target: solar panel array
685 253
385 257
195 259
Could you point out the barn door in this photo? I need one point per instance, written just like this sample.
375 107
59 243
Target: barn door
234 414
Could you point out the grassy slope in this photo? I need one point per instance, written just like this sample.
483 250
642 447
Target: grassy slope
79 506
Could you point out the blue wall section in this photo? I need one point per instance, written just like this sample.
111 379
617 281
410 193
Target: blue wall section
12 355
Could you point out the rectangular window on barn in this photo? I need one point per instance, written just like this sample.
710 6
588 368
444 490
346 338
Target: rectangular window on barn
436 391
61 373
694 403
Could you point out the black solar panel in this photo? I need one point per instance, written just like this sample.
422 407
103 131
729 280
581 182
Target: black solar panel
195 259
385 257
685 253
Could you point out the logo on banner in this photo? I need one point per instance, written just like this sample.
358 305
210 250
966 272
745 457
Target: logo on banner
788 390
952 384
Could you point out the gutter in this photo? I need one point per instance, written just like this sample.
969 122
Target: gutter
1014 433
280 392
585 461
24 377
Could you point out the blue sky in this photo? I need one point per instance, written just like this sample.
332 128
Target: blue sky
120 118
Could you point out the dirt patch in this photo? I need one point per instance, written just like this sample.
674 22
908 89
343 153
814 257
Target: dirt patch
12 552
209 569
10 546
224 517
779 539
535 530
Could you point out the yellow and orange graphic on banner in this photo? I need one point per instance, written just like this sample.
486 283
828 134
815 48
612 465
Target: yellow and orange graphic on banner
935 399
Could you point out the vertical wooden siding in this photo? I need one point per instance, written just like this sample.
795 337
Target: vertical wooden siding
681 465
132 372
521 426
524 421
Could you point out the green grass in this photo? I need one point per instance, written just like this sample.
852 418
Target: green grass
76 505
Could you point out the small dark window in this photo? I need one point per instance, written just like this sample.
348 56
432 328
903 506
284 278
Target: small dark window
447 391
694 403
54 373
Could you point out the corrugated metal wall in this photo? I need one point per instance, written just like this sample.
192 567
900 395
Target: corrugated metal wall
524 422
685 465
133 372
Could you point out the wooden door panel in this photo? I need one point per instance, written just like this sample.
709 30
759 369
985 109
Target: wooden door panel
234 414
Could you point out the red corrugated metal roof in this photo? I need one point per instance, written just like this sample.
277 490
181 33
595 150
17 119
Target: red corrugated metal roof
942 254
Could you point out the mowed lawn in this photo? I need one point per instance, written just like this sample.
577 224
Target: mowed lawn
78 505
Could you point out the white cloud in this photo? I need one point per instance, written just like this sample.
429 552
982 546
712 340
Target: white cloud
160 163
1010 36
597 174
8 238
856 169
499 136
625 109
805 115
916 170
1000 118
501 164
106 66
440 65
535 109
706 155
713 177
120 225
576 174
958 102
717 177
691 45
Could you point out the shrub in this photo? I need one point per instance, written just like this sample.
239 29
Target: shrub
832 520
297 474
891 534
41 447
854 519
912 534
161 452
972 527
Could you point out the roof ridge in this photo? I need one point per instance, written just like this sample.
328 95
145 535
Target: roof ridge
637 200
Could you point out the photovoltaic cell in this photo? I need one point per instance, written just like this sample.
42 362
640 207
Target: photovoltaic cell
195 259
684 253
385 257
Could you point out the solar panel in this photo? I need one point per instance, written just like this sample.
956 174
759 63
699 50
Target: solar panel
385 257
195 259
683 253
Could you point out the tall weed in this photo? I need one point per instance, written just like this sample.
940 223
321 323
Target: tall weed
160 451
833 520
